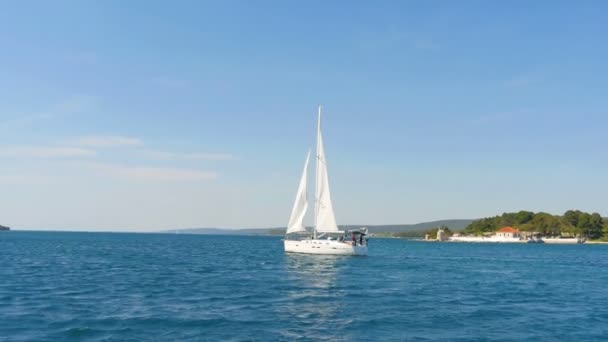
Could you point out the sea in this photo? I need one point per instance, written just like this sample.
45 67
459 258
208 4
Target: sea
67 286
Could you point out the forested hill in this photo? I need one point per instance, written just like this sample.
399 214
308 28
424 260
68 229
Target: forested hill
571 223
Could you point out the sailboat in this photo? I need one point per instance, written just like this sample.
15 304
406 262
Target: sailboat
325 237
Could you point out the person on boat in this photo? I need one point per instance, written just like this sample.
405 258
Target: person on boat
361 239
354 239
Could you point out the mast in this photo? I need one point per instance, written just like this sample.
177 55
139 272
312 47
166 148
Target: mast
314 231
325 219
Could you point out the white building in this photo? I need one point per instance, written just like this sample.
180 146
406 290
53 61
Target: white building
508 233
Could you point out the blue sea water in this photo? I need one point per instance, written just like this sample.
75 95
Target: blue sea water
57 286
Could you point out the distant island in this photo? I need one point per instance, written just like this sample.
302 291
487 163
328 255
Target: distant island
390 230
573 223
4 227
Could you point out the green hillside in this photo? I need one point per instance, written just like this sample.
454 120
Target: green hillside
571 223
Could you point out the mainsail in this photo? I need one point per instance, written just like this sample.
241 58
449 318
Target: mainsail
325 220
300 205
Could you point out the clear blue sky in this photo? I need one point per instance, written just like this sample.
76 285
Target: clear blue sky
146 115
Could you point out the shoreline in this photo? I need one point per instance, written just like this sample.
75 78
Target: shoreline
514 242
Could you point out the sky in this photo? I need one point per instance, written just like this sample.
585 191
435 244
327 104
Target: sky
152 115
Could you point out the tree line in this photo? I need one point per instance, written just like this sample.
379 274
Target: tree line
571 223
416 234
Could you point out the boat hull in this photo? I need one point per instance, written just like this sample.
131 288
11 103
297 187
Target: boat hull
326 247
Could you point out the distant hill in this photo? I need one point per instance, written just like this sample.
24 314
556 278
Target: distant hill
4 227
225 231
454 225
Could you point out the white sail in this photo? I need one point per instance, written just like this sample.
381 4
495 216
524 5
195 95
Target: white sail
325 220
300 204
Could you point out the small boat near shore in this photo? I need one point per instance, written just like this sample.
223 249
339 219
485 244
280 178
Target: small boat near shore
535 239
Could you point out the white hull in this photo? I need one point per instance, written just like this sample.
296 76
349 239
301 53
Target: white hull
328 247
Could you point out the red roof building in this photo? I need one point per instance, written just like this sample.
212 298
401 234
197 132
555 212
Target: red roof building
508 232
